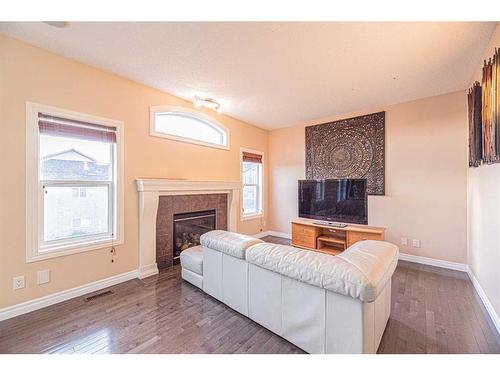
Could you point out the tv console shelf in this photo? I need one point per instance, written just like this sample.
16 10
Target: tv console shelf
310 235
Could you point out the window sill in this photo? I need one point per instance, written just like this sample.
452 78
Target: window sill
172 137
251 216
71 249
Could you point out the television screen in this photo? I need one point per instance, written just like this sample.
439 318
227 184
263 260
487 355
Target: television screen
343 201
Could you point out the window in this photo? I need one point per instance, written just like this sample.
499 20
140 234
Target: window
73 182
252 184
187 126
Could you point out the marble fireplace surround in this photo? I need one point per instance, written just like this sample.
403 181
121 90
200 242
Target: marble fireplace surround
150 191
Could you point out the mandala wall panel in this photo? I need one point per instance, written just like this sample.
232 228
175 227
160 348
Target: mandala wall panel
350 148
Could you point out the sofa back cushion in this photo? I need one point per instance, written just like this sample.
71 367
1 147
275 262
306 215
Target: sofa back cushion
360 272
230 243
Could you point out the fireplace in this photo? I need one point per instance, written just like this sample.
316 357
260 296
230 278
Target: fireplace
171 207
160 199
188 227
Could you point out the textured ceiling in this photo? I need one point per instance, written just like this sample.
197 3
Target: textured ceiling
276 74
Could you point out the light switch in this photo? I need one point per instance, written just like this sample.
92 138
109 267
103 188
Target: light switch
43 277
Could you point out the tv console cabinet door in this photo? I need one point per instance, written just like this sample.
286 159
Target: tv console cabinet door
304 235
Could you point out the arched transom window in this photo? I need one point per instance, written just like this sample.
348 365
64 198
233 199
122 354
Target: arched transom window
188 126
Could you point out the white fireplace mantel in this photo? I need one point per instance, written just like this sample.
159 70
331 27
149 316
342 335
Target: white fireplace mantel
150 191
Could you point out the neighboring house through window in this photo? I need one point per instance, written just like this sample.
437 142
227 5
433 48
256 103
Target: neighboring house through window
74 182
252 170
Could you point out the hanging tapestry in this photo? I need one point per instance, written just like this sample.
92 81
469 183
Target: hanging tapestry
475 126
484 103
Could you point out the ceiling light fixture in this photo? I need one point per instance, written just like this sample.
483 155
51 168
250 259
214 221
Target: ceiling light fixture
207 103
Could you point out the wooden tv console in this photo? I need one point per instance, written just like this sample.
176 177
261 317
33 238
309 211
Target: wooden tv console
329 239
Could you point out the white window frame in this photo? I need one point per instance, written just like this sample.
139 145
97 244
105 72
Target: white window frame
153 110
35 250
260 190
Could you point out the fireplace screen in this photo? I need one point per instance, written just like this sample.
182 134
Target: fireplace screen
188 227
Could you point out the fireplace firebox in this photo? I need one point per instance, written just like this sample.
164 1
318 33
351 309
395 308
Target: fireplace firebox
188 227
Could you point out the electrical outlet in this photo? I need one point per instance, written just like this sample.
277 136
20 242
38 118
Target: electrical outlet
404 241
18 282
416 243
43 277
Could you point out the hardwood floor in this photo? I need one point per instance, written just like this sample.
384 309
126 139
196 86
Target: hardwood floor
161 314
436 310
433 311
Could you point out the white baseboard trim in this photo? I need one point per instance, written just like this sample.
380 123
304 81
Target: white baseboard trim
149 270
38 303
486 302
273 233
434 262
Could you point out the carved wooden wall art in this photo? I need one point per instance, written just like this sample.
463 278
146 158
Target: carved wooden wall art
349 148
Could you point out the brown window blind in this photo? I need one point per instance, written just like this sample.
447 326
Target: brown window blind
62 127
252 158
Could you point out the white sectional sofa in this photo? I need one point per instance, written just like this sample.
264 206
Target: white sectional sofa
319 302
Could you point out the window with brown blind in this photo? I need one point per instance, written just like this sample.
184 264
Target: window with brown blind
77 169
252 183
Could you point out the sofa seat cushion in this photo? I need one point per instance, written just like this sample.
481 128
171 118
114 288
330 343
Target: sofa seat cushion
360 272
230 243
192 259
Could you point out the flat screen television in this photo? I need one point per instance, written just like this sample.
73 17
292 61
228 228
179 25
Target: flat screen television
338 200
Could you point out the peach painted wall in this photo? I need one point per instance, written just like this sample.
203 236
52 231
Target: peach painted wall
28 73
484 213
426 172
